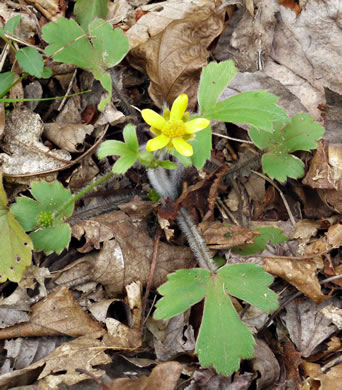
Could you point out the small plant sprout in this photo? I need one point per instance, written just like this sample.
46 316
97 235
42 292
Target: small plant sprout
173 129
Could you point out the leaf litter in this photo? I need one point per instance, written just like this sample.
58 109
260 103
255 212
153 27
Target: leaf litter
92 292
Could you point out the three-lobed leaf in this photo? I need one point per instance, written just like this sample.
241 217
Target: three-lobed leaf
300 133
16 246
49 197
223 339
70 44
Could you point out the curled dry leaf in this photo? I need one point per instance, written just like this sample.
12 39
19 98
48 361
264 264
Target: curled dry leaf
24 153
220 236
299 273
332 239
68 136
57 314
174 58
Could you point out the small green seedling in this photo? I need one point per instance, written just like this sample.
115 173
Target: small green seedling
49 231
300 133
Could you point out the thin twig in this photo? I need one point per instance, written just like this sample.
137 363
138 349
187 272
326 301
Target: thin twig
232 139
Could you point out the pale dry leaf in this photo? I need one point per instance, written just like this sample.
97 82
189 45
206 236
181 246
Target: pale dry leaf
95 233
84 352
120 336
68 136
265 364
307 326
157 17
334 314
22 352
99 309
57 314
178 338
23 151
299 273
174 58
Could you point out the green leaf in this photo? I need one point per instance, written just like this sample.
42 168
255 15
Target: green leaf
16 246
47 73
202 146
268 235
86 11
112 148
124 163
300 133
223 338
33 215
52 239
249 282
183 289
70 42
106 81
6 80
214 79
111 44
282 166
130 137
257 108
12 24
31 61
166 164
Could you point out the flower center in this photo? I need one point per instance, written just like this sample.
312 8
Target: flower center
174 128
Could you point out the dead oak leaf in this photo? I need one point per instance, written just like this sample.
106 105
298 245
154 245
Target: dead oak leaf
57 314
220 236
299 273
174 58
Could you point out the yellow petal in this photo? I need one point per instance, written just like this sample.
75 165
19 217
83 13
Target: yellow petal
182 147
196 125
178 107
157 143
153 119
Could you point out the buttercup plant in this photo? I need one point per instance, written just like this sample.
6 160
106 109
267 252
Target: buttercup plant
223 338
173 129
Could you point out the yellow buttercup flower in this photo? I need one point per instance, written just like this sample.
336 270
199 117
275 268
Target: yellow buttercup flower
173 129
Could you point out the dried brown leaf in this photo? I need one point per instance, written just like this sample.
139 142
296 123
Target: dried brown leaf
174 58
127 257
57 314
306 325
220 236
299 273
332 239
163 377
68 136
